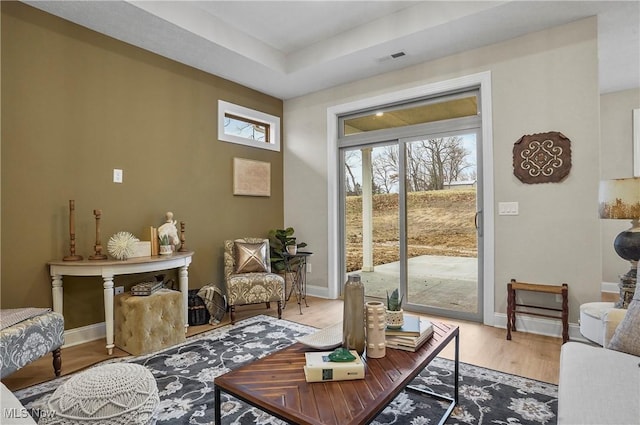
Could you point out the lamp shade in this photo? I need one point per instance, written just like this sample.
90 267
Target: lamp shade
620 199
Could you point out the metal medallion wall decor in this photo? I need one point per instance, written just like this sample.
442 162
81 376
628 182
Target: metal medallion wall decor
542 157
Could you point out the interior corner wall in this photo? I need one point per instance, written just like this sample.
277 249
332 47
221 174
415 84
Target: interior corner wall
77 104
616 152
545 81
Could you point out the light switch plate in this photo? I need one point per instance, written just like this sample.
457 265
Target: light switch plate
507 208
117 175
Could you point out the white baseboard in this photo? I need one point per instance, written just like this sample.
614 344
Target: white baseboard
84 334
610 287
318 291
540 326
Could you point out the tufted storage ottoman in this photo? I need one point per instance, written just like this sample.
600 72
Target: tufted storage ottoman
144 324
115 394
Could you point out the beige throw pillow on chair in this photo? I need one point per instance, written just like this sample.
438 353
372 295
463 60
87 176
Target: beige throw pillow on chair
251 257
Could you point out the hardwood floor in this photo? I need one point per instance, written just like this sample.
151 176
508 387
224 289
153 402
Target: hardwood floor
533 356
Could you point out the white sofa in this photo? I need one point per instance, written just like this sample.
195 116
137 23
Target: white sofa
13 412
597 385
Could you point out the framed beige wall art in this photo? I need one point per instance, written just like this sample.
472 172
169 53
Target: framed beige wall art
251 178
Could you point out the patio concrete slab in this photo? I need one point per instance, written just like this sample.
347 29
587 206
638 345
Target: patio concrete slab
437 281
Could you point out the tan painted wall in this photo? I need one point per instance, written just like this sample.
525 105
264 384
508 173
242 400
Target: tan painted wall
545 81
76 105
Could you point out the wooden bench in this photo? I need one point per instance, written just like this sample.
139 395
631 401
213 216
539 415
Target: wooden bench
512 305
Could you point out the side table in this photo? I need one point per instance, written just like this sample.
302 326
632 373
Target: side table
627 287
296 264
512 305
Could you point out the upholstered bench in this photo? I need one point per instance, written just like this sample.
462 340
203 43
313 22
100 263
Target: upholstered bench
144 324
28 334
116 394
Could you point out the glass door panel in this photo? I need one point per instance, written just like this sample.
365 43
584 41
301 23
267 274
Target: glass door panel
441 239
371 224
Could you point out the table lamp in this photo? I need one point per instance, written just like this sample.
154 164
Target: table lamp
620 199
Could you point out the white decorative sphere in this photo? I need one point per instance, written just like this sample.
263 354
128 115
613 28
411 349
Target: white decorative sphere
122 245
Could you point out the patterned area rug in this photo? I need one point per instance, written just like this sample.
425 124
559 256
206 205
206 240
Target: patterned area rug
185 374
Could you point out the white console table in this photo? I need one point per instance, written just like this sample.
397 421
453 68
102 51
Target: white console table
107 269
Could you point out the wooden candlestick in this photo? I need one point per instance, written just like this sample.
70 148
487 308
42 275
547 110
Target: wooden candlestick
98 246
183 245
72 234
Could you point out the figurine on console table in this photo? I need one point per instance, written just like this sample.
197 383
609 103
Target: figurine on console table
170 230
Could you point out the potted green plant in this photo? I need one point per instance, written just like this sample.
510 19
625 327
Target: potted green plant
394 314
165 245
278 241
292 246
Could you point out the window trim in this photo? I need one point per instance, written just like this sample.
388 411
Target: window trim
270 121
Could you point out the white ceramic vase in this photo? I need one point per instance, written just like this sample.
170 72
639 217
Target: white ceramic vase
376 324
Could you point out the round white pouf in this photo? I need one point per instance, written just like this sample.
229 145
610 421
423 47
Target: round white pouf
119 393
591 320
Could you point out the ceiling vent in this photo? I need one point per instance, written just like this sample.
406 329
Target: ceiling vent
391 57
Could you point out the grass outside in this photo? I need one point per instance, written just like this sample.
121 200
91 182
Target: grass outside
438 222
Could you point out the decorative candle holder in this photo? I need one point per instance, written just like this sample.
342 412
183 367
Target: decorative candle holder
98 246
183 243
72 234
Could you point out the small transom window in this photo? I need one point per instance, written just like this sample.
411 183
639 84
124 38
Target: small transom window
237 124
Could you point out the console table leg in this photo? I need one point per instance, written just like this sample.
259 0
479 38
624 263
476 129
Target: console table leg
56 293
183 282
108 311
456 368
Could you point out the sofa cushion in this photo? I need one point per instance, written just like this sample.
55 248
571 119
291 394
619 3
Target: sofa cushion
597 386
627 335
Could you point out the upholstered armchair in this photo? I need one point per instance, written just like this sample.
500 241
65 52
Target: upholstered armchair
248 277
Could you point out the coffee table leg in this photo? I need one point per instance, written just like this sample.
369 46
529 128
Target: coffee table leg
453 402
217 416
456 369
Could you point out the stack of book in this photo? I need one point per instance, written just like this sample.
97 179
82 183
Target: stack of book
319 368
415 332
146 288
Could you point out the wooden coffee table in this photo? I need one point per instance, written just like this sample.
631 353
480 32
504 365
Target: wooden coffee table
276 384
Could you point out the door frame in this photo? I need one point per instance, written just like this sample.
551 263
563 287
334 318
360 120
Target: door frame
481 80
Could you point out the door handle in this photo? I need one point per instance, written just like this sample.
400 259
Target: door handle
476 222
